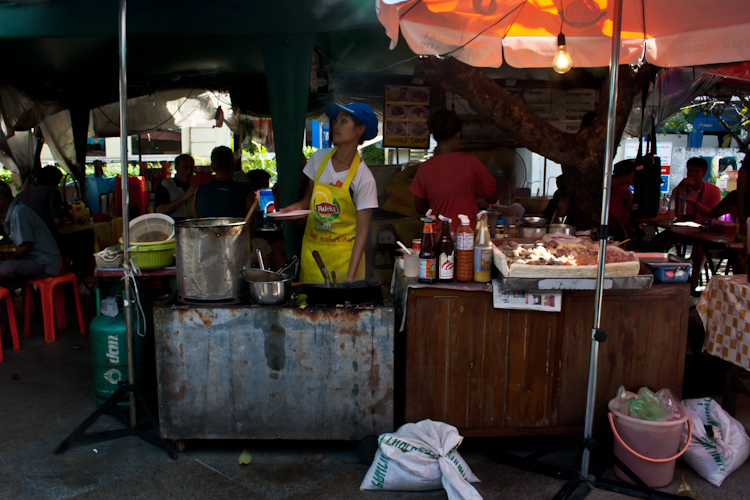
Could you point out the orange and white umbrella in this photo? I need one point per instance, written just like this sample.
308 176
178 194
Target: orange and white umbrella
524 33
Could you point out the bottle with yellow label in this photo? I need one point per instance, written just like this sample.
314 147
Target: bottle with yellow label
482 250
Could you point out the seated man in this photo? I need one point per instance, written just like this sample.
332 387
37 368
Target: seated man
221 196
36 255
700 196
174 196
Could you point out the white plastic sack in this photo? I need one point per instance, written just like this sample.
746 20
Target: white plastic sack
422 457
714 458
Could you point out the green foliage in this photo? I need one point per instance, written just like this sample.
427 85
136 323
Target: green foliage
259 159
6 176
679 123
373 155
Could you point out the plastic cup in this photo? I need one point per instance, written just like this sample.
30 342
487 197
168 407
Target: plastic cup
411 265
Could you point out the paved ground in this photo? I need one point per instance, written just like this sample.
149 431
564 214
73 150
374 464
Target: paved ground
46 390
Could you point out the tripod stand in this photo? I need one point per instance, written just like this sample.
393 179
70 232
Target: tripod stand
580 481
135 397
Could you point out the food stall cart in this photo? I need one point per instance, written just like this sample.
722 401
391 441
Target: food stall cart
519 372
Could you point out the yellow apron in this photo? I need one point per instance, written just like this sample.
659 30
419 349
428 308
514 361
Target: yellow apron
331 228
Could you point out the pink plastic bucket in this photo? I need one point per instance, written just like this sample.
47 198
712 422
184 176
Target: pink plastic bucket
649 449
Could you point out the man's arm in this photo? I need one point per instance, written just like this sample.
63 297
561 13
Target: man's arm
360 240
22 250
421 205
168 208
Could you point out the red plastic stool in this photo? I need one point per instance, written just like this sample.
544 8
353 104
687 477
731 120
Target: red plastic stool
4 292
53 304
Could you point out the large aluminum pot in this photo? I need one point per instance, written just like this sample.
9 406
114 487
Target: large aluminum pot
532 232
210 256
267 287
561 228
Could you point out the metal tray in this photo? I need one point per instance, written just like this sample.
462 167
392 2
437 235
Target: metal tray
663 260
642 281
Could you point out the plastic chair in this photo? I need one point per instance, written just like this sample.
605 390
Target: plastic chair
53 304
137 196
8 295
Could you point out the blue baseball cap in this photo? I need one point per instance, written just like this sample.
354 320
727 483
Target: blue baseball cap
362 111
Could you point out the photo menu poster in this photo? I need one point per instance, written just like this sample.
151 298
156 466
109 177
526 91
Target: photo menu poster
407 109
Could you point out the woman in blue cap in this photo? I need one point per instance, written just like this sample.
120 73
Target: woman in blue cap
341 193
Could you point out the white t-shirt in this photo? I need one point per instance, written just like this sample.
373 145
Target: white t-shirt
363 188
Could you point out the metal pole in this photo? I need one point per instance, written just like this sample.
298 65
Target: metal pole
124 182
614 67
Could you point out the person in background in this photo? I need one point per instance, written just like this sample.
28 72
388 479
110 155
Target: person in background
44 198
341 193
174 196
450 182
37 254
221 196
97 185
700 196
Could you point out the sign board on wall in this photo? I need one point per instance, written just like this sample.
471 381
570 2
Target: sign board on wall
407 109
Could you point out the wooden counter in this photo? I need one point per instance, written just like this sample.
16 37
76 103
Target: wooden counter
493 372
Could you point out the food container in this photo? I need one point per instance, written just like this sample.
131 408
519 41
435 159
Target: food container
267 287
211 254
561 228
532 232
535 222
667 268
533 204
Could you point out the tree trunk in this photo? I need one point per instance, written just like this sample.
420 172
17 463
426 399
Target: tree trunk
581 154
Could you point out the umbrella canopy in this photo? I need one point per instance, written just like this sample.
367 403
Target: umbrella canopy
524 33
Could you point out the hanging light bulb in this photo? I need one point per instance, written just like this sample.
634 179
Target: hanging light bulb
562 62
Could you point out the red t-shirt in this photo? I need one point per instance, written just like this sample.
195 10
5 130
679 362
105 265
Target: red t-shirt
451 184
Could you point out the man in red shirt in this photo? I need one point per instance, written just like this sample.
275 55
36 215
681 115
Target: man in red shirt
450 182
700 196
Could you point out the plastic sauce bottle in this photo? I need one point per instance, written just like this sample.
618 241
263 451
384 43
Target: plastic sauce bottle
428 253
464 251
446 254
482 251
682 204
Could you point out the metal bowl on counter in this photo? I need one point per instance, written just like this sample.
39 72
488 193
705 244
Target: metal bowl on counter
535 221
561 228
532 232
268 288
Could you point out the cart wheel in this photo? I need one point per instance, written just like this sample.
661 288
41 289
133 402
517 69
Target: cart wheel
179 445
366 449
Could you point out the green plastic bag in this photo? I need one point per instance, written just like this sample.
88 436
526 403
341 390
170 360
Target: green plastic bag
647 405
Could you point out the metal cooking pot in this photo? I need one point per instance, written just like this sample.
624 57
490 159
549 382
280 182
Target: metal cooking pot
561 228
535 221
267 287
210 256
531 232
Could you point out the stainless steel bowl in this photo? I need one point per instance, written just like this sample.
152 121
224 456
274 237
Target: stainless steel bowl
268 288
532 232
534 221
561 228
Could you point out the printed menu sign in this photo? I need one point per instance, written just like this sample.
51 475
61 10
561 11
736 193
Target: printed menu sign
407 110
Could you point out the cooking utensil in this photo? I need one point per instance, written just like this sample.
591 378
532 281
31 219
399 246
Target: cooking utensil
260 259
353 293
333 278
252 210
322 267
267 287
531 232
534 221
407 250
210 254
561 228
286 266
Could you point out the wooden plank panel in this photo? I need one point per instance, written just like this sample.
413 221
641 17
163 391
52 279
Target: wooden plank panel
474 352
517 339
494 369
537 366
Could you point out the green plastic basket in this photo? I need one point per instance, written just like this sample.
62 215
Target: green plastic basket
153 256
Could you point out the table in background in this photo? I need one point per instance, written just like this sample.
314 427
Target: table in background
724 308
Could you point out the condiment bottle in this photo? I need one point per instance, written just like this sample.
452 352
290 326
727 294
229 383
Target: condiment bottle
428 253
464 251
500 229
682 205
482 250
446 254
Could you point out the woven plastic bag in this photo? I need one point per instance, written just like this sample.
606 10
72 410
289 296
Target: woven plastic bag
422 457
719 444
